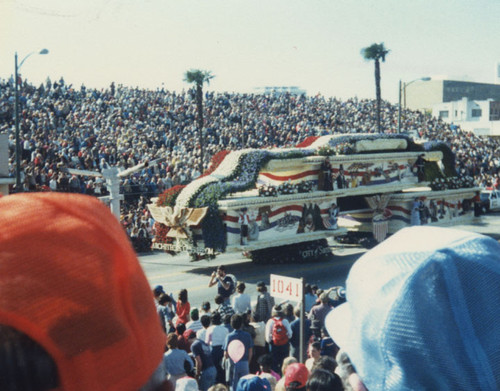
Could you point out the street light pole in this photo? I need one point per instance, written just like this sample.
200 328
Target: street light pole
16 115
399 108
18 142
402 89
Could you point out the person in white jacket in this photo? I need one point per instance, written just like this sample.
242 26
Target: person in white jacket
241 302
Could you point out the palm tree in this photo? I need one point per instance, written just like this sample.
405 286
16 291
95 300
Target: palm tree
199 78
376 52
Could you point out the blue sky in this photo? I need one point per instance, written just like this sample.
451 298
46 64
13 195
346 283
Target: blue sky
313 44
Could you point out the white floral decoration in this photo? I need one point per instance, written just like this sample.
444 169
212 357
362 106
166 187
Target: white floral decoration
223 171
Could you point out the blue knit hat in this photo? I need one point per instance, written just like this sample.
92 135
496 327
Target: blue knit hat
158 289
423 312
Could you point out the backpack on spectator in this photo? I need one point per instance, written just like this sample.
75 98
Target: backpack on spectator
279 334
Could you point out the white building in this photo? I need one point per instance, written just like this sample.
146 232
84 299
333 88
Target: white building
423 95
479 116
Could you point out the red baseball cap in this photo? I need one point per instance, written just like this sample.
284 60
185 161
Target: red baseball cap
296 372
70 280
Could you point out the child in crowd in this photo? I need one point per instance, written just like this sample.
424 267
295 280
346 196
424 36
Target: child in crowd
265 363
314 354
183 307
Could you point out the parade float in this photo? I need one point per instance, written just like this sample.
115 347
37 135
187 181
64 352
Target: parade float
282 204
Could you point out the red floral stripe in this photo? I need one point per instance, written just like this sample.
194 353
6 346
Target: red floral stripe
307 142
215 162
291 177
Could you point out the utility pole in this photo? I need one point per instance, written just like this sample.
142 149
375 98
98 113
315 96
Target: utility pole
399 109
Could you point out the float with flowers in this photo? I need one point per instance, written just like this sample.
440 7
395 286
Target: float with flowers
283 204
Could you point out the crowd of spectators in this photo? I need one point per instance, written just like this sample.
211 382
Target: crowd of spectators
267 344
93 325
63 126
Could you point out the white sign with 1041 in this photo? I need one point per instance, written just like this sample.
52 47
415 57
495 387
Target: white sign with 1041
286 287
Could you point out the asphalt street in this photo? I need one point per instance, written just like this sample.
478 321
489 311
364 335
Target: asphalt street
177 272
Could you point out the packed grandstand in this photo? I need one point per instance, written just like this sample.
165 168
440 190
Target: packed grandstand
63 126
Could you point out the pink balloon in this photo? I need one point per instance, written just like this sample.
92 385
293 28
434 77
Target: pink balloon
236 350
